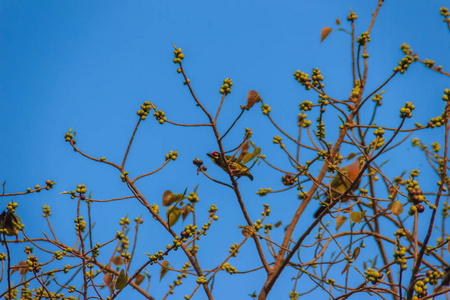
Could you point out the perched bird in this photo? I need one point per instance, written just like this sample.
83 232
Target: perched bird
349 174
445 280
10 223
237 168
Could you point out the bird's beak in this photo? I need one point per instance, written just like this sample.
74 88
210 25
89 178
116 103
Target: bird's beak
210 155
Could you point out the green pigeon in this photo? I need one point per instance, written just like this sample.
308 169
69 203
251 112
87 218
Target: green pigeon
445 280
237 168
350 171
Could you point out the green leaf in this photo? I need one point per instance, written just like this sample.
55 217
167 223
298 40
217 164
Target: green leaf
324 33
164 269
121 281
244 151
386 161
249 156
374 262
357 216
340 221
351 155
179 197
173 214
396 208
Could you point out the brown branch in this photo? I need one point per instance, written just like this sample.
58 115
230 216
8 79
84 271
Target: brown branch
418 261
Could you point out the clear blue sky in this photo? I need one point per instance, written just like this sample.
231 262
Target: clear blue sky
91 64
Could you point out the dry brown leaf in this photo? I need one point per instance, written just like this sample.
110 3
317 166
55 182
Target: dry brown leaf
325 32
22 267
117 261
252 98
340 221
139 279
107 279
168 198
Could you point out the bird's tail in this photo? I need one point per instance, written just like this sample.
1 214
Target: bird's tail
250 176
323 207
319 211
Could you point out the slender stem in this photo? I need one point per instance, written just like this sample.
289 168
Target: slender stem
129 144
186 125
9 266
93 158
150 173
23 193
242 112
353 53
220 106
50 226
357 63
216 181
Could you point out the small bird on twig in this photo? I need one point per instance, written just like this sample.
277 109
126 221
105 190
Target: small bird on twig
348 174
237 168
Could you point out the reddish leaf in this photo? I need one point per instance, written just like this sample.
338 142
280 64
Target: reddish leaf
139 279
325 32
252 98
